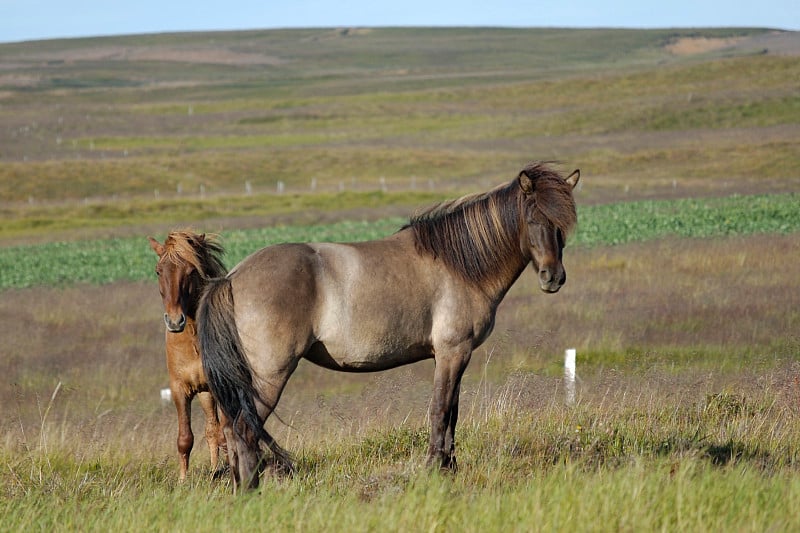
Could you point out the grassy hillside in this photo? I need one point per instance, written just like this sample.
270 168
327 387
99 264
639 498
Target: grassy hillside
124 121
317 62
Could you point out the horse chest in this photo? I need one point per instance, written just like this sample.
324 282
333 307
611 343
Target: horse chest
183 361
483 329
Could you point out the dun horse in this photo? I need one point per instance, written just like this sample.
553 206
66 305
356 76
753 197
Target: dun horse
431 290
185 262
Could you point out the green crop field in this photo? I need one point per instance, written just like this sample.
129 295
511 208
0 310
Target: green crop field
682 297
130 259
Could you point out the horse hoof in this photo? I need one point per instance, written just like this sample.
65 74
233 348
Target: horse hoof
447 464
221 471
283 469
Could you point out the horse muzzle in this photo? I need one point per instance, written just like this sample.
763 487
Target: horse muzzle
175 326
550 282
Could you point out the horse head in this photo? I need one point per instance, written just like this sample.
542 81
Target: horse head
549 214
179 283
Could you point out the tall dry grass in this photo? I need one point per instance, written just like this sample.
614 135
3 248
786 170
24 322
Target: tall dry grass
711 309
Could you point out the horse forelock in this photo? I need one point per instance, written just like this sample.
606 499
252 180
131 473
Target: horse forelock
552 196
204 255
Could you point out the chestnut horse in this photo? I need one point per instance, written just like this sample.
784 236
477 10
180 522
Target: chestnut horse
185 262
430 290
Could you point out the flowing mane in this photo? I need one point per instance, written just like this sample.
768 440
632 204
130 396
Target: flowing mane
203 252
478 236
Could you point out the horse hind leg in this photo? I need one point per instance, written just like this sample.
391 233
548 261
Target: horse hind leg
247 455
269 392
282 459
243 438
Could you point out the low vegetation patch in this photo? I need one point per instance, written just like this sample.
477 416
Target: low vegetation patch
105 261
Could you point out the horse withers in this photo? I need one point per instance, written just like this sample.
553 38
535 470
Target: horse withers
185 263
431 290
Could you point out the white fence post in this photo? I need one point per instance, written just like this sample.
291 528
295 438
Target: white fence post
569 375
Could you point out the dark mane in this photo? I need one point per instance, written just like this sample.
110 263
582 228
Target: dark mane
203 252
478 236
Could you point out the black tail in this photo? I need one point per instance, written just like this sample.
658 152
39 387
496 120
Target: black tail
227 370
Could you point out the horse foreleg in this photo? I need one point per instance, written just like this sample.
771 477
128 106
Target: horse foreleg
183 405
444 410
214 437
223 437
449 456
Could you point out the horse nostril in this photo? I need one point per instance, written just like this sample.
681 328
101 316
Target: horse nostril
545 276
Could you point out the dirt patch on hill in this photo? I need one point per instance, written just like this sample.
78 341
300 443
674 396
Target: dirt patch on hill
773 42
686 46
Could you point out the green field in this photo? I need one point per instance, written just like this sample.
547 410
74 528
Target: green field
130 259
681 300
443 109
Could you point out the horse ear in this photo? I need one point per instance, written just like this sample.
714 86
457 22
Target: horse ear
157 247
573 178
525 182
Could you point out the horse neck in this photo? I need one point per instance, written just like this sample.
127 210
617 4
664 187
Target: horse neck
496 288
502 271
506 267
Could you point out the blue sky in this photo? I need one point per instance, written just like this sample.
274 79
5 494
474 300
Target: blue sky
22 20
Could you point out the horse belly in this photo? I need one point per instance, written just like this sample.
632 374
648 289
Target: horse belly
372 337
365 357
